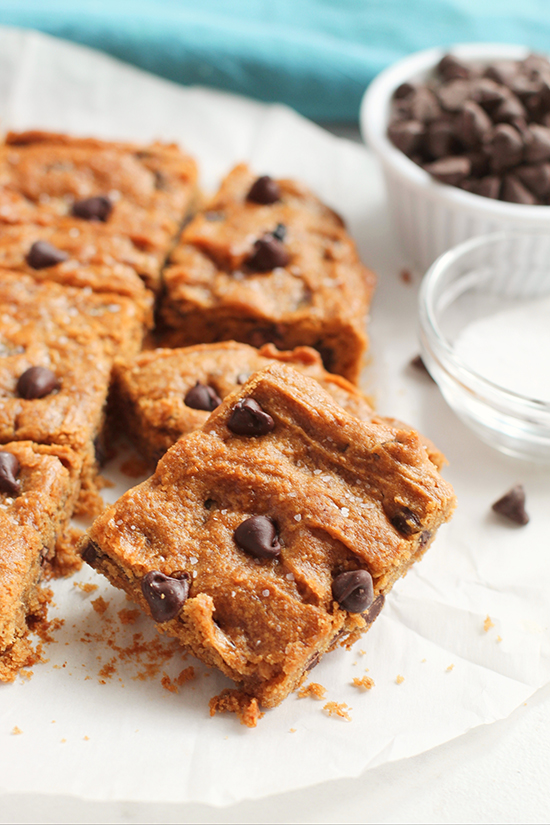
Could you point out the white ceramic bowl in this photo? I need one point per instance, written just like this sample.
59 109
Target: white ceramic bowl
431 217
485 338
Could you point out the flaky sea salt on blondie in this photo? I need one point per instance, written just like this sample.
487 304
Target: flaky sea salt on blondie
273 532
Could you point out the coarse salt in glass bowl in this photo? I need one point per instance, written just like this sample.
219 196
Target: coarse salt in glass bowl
431 217
485 338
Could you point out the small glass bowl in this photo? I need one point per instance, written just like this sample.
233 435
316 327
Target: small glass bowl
484 334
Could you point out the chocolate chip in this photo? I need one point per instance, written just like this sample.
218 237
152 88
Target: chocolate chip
268 254
375 609
165 595
514 191
248 418
99 450
488 93
537 143
425 536
36 382
418 363
313 662
328 356
242 377
279 232
450 170
406 522
406 136
510 109
440 138
506 147
512 505
202 397
97 208
536 178
258 537
424 105
43 254
473 124
488 187
353 590
209 503
453 95
450 68
9 468
264 190
89 553
502 71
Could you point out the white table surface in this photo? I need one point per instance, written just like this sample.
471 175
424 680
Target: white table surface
494 773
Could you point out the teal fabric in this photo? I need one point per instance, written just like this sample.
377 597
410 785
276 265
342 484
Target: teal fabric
315 55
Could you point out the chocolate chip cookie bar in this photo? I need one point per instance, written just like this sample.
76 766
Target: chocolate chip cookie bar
141 193
267 262
57 346
38 489
273 532
162 394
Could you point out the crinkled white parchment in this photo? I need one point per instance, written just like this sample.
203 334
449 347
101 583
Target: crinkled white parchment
131 739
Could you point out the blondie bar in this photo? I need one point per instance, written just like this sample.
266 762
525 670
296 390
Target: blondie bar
273 532
267 262
142 193
38 489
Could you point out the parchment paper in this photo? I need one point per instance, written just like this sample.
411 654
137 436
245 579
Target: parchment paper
109 735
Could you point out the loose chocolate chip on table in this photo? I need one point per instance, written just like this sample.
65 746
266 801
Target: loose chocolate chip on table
264 190
97 208
36 382
268 254
9 468
258 537
451 170
202 397
375 609
406 522
353 590
43 254
418 364
248 418
165 595
512 505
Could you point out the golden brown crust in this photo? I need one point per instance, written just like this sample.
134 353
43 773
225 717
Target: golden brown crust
334 486
320 298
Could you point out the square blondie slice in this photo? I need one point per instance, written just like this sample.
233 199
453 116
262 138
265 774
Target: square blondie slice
273 532
162 394
39 485
142 193
57 346
267 262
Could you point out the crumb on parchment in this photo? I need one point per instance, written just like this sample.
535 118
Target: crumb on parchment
399 679
86 587
16 731
313 690
488 624
186 675
339 709
366 683
100 605
233 701
450 668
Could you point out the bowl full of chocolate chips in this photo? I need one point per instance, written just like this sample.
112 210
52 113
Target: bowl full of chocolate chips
464 141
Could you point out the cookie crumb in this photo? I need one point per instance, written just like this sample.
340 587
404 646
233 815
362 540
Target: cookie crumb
86 738
337 709
26 674
186 675
16 731
86 587
488 624
399 679
362 653
292 730
499 639
128 616
99 605
63 741
449 668
366 683
314 690
233 701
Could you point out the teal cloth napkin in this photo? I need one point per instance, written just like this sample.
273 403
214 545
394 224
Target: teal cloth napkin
317 56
